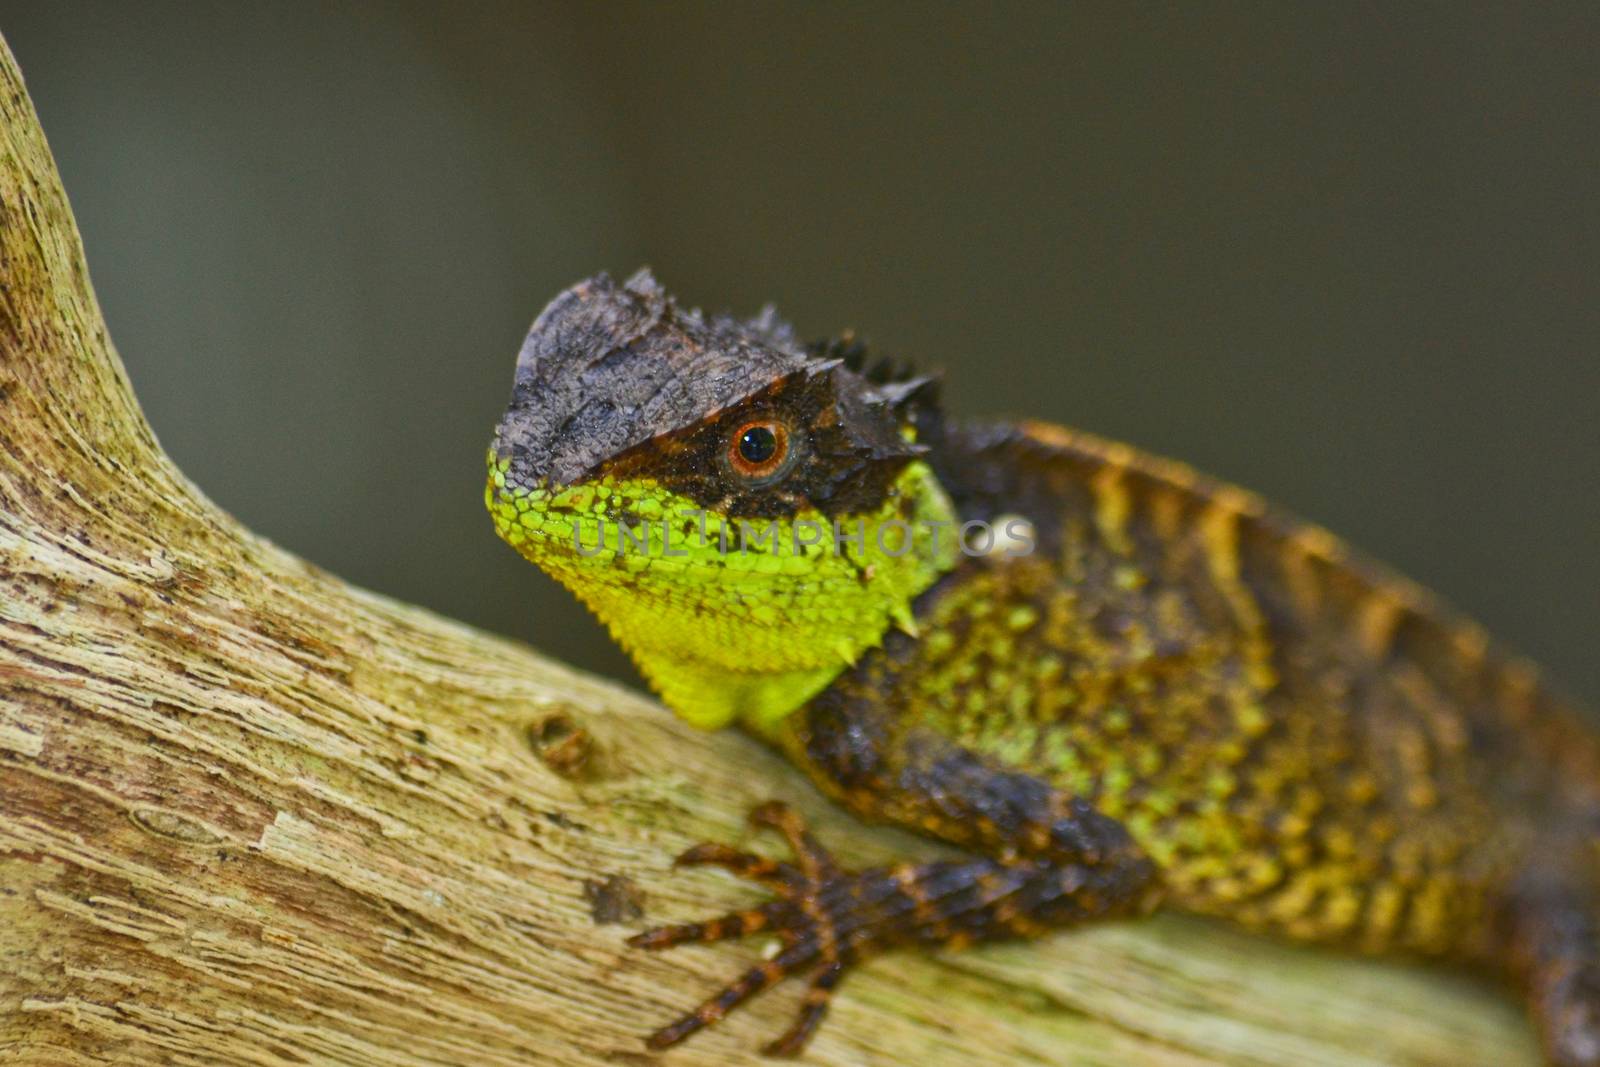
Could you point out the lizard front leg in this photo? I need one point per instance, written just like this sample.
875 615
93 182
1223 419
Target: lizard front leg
1054 863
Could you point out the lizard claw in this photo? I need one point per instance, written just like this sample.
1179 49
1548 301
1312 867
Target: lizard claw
804 929
827 918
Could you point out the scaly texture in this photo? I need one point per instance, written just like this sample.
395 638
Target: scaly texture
1153 691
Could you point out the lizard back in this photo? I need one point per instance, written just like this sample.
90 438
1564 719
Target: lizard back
1302 740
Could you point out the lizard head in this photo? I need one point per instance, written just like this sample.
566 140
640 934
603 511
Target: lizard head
746 515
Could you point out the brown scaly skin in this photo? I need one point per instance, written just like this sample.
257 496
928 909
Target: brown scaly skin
1297 742
1181 699
1226 713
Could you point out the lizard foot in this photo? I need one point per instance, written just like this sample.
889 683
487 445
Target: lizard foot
805 929
827 918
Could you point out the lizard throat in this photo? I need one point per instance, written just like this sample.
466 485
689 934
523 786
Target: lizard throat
732 619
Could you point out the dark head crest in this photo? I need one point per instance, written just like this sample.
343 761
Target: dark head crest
897 382
610 372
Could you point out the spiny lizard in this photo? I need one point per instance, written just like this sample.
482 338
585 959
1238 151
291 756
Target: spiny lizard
1118 684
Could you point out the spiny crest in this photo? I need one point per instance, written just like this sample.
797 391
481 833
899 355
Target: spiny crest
897 383
857 356
612 374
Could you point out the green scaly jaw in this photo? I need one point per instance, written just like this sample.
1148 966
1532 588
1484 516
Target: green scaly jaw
750 633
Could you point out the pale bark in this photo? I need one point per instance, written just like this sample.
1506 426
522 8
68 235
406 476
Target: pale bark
250 814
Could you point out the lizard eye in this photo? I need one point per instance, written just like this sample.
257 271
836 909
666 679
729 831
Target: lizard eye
759 450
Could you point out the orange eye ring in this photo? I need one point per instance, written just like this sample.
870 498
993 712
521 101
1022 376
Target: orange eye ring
759 449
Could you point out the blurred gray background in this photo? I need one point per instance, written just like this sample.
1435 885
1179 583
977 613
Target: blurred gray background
1347 256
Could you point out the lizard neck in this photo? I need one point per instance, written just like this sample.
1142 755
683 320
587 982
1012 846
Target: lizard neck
714 696
753 630
755 657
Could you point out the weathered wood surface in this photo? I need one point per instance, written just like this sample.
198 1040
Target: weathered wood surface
252 815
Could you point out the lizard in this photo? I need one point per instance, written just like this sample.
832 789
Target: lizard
1114 684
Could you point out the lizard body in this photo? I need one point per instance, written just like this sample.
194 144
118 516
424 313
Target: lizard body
1163 693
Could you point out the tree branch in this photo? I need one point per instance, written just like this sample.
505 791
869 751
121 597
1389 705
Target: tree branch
249 814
